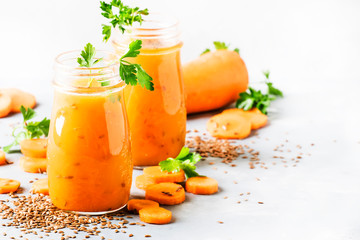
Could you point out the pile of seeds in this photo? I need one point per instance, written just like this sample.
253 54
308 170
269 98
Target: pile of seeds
215 148
35 213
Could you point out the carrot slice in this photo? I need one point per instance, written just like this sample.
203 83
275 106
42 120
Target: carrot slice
19 98
2 158
142 181
256 117
229 125
41 186
165 193
159 176
35 148
8 185
33 165
155 215
201 185
5 104
137 204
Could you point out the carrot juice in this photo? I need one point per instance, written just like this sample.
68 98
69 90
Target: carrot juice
157 118
89 155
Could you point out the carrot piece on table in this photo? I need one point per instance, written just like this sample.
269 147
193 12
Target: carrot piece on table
256 117
5 104
159 176
19 98
142 181
8 185
165 193
155 215
229 125
201 185
33 165
137 204
2 158
214 80
34 147
41 186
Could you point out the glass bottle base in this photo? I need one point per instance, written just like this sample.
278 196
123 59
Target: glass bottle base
98 213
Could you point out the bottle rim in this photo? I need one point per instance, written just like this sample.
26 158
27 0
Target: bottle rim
155 26
68 71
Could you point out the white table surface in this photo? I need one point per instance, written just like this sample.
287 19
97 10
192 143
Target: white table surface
312 49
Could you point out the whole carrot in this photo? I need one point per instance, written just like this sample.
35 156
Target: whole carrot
214 80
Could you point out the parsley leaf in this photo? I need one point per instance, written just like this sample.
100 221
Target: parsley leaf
205 51
220 45
86 58
186 161
126 16
28 130
271 89
256 99
133 73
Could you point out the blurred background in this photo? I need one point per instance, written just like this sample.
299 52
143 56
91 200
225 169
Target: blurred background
299 41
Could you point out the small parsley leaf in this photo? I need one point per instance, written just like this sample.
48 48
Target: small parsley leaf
86 58
205 51
220 45
256 99
186 161
28 130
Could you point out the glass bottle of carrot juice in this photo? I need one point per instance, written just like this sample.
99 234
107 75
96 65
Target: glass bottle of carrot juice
89 155
157 118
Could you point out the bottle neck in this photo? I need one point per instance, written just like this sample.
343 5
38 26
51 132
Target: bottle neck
157 32
102 76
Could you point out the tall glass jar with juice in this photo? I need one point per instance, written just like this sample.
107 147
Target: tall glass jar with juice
89 155
157 118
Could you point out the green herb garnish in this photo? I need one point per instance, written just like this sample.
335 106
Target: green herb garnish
220 45
256 99
186 161
28 130
133 73
86 58
126 16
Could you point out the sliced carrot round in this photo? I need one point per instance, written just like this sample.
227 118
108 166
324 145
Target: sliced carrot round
5 104
166 193
2 158
137 204
229 125
19 98
142 181
155 215
8 185
41 186
201 185
256 117
33 165
159 176
34 147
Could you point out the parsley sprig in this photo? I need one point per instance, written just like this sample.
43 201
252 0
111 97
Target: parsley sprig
87 55
186 161
126 16
220 45
131 73
28 130
255 98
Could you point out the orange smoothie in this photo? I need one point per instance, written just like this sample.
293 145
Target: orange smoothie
157 118
89 155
